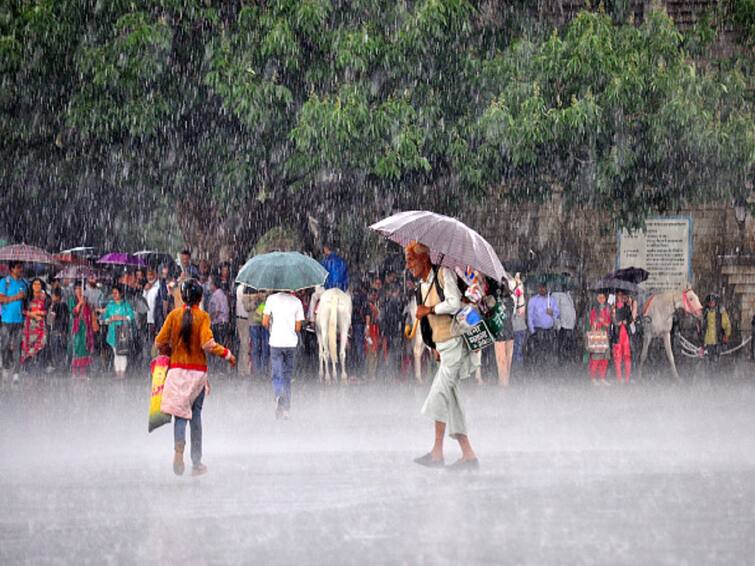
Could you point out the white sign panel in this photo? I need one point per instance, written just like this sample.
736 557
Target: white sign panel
664 249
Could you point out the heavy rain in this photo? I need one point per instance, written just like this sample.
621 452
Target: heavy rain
377 282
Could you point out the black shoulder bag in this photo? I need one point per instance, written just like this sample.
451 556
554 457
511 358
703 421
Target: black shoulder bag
424 323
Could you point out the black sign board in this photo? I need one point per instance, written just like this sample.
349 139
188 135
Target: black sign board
478 337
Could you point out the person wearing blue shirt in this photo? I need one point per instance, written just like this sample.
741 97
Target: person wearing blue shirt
13 291
191 270
338 271
542 314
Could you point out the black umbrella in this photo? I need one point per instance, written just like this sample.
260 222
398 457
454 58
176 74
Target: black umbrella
629 274
611 285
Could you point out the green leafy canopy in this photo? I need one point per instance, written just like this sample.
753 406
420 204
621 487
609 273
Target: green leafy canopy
234 117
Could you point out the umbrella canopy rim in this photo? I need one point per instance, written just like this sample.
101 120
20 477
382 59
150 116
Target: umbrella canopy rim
320 274
272 290
90 271
607 286
137 261
43 256
629 274
451 260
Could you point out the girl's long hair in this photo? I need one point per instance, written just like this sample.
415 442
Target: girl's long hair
186 323
191 293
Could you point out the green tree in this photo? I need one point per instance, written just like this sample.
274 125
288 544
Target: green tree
616 117
230 118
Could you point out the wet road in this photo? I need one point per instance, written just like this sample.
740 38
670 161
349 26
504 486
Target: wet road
570 474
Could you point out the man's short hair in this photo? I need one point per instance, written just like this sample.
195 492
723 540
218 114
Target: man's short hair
185 252
13 264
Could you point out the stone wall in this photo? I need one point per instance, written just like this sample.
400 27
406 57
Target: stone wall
738 271
547 237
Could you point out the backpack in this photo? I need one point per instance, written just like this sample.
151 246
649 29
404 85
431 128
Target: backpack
123 337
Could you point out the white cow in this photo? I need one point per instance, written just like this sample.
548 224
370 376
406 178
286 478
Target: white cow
332 319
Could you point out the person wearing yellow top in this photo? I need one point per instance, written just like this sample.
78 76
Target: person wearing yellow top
187 338
716 329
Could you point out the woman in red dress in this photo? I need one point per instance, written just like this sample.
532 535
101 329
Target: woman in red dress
34 337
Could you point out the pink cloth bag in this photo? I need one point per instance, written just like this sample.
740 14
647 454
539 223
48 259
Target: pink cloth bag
182 387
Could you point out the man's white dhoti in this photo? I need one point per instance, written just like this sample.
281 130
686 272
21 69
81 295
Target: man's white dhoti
443 403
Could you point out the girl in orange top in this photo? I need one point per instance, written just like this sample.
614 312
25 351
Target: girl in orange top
186 337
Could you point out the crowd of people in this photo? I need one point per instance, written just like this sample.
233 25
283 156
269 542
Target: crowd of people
100 326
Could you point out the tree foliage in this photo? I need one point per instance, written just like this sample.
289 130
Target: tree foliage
229 118
617 117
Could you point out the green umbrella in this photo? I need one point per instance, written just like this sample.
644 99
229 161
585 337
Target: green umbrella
282 271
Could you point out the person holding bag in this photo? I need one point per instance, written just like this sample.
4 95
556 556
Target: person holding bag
440 300
118 316
187 338
597 341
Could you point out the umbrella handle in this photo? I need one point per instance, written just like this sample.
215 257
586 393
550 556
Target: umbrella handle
410 333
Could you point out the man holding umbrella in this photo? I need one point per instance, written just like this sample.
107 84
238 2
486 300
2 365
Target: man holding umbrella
446 244
285 272
442 403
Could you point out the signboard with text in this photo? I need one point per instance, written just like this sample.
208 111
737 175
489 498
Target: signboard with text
478 337
664 249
